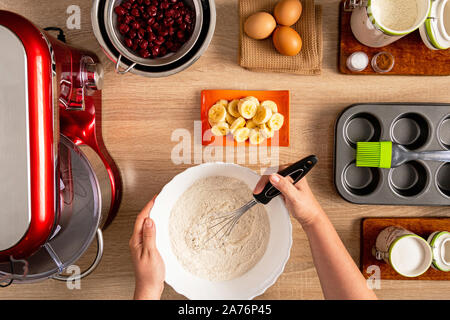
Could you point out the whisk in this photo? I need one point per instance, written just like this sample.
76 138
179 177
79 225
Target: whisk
222 226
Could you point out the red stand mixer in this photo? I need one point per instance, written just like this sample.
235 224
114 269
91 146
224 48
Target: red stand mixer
59 187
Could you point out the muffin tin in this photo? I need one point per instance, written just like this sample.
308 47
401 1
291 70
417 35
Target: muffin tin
418 127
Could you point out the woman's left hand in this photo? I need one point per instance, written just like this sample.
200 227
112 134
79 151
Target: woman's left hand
149 267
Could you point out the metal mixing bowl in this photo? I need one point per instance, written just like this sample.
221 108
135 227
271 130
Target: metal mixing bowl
117 38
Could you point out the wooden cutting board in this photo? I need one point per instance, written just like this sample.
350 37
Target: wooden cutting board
411 55
423 227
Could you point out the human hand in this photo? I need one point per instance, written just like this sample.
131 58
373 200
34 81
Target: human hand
149 267
300 200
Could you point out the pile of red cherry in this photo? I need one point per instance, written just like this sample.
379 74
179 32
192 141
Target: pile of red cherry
152 28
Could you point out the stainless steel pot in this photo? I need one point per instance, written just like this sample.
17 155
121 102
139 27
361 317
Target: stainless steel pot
123 64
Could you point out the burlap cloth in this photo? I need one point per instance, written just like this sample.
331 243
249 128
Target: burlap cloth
260 55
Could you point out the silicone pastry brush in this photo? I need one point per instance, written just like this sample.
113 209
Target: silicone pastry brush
386 154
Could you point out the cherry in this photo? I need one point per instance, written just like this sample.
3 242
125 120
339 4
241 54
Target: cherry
143 44
151 37
128 19
163 32
168 22
180 34
128 42
135 25
135 12
132 34
160 40
120 10
126 5
124 28
155 51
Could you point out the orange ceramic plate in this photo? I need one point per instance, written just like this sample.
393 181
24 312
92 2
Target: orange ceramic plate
210 97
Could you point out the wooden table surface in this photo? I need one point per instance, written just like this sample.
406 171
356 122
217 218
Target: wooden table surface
140 114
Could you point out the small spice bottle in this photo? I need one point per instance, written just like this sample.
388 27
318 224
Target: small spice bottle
357 61
383 62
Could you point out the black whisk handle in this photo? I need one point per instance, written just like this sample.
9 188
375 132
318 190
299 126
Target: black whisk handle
296 171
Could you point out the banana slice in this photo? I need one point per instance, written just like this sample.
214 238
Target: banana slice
237 124
251 124
276 121
220 129
256 137
247 108
230 119
251 98
233 108
271 105
241 134
217 113
223 102
266 131
212 123
263 114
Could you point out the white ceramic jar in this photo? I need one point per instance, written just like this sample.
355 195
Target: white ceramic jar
368 28
409 254
440 245
435 32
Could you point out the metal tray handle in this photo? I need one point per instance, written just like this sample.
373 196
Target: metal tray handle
93 266
117 68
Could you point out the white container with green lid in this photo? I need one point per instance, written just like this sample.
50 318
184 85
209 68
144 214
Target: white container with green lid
435 32
409 254
377 23
440 245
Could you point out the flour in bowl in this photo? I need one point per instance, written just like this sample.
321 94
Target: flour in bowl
217 260
396 14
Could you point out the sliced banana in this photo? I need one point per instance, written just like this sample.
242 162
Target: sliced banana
276 121
230 119
237 124
251 124
233 108
266 131
217 113
247 108
251 98
220 129
223 102
263 114
212 123
241 134
256 137
271 105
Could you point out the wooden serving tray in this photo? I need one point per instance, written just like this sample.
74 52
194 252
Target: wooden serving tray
411 55
371 227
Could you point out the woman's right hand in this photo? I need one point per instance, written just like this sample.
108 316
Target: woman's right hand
299 198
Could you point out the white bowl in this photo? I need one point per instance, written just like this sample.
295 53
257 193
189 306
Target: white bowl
251 284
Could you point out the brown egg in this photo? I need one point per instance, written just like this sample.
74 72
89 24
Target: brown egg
260 25
287 12
287 41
